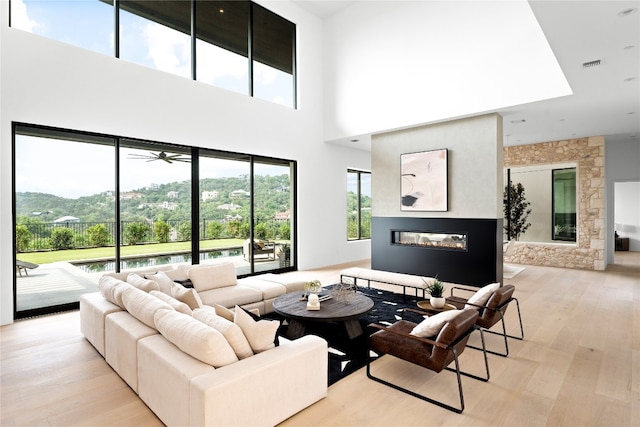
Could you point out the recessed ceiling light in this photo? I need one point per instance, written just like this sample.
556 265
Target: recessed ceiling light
631 112
629 79
629 47
627 12
354 140
562 120
518 121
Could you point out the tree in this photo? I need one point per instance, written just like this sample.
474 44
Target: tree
98 235
136 232
516 210
161 229
23 237
214 230
260 231
184 231
62 238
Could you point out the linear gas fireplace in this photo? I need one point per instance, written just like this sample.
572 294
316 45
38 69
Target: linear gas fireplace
467 251
451 241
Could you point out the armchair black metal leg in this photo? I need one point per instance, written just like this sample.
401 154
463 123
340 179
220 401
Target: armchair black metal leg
420 396
486 361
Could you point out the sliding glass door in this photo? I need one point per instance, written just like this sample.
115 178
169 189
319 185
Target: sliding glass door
65 217
88 204
155 204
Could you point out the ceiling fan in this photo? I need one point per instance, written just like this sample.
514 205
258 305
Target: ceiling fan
169 158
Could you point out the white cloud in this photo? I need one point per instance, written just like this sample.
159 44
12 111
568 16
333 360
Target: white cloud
169 50
20 17
263 74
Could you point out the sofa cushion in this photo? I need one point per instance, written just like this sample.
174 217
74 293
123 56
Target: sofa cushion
187 296
195 338
142 283
111 289
177 305
230 296
261 334
432 325
164 282
142 306
232 332
481 296
178 274
213 276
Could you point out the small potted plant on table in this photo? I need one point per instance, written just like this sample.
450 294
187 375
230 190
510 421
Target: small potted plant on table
436 291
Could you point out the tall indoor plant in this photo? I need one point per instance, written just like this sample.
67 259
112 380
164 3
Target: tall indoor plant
516 211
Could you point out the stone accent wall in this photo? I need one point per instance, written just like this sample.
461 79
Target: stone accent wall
588 252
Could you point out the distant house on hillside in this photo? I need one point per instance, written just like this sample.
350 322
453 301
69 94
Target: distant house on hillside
173 194
66 219
206 195
131 195
283 216
229 218
229 207
239 194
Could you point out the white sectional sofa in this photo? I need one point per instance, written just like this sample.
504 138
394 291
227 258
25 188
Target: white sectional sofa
195 365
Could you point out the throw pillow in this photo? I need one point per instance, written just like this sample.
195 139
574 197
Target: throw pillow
432 325
142 283
163 281
195 338
111 289
178 274
261 334
230 330
142 306
482 295
187 296
223 312
178 305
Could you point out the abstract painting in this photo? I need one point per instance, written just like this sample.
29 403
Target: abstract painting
424 181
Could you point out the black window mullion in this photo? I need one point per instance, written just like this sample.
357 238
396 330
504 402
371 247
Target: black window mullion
116 12
193 40
250 47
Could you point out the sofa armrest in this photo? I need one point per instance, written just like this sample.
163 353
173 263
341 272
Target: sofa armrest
264 389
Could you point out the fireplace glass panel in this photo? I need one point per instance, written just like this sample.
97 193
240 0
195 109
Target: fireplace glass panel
452 241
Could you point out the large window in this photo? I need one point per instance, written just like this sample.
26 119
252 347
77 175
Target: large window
358 205
88 204
236 45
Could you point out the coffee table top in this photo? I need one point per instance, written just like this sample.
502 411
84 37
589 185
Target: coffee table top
290 306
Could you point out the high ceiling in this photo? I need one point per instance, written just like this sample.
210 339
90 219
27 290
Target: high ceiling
606 95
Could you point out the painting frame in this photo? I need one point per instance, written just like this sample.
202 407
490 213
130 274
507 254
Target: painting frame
424 177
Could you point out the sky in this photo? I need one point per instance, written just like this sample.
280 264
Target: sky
72 169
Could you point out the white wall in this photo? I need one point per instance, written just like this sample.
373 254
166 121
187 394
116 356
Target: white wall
627 212
475 161
622 163
388 61
49 83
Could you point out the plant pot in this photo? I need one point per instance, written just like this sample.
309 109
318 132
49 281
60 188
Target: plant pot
437 302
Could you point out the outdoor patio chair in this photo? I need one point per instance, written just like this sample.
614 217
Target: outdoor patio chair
435 353
24 266
491 312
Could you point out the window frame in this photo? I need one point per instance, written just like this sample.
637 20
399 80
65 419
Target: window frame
359 206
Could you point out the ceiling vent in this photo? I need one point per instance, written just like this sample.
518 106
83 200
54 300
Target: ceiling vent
592 64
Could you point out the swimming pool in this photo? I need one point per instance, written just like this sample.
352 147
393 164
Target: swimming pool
150 261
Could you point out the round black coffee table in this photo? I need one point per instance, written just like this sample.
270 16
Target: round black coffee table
295 311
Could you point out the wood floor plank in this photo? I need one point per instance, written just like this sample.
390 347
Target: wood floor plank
579 365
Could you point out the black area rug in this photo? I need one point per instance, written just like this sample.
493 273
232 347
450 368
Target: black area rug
347 356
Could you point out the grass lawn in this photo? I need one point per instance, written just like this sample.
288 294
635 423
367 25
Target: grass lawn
125 251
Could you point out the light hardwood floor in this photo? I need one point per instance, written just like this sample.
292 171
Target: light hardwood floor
579 365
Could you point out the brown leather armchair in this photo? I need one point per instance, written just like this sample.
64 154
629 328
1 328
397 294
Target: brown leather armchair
491 312
433 354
